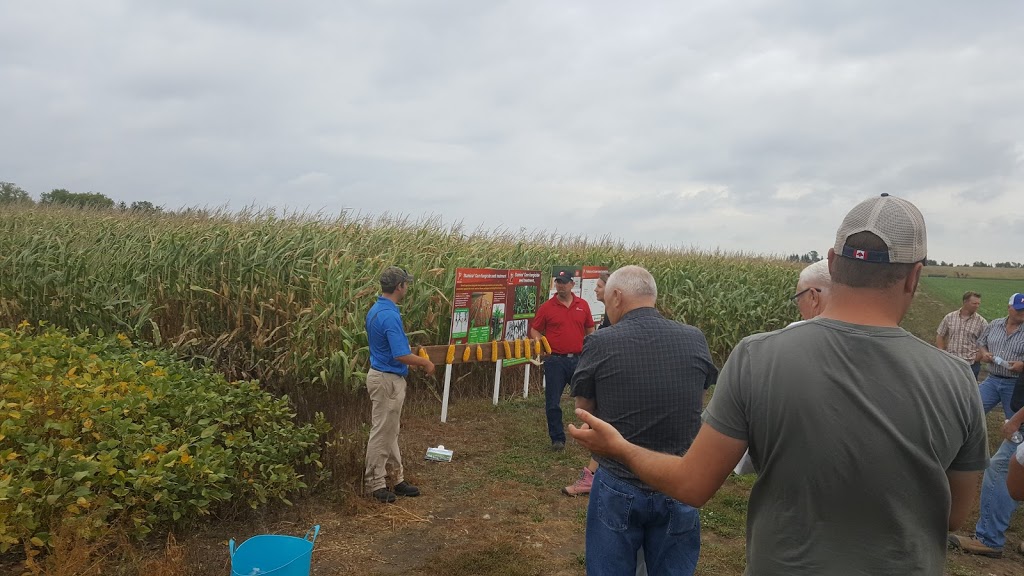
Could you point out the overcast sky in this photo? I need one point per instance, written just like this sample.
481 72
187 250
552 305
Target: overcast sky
751 125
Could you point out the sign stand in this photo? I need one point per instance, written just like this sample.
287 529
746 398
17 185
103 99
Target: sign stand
447 389
497 382
526 381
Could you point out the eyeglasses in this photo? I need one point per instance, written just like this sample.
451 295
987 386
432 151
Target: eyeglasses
795 297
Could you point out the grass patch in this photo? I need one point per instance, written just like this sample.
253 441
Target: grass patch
994 293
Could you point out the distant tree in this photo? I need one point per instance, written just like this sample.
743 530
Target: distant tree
793 258
930 262
145 206
944 263
980 264
11 193
79 200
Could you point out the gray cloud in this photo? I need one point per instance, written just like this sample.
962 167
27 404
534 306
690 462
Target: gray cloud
749 125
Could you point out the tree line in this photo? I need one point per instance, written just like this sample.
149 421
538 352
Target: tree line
812 256
11 193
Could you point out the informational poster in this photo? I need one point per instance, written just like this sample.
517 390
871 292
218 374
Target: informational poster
478 314
491 304
585 286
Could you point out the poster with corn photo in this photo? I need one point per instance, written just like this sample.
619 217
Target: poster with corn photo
491 304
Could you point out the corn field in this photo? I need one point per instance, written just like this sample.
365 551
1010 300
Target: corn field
283 298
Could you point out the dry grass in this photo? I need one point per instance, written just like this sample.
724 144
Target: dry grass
972 272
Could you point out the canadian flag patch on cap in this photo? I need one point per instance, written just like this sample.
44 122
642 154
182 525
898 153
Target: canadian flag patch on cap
860 255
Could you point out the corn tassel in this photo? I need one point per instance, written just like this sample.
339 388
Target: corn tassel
507 347
466 352
449 358
544 341
494 350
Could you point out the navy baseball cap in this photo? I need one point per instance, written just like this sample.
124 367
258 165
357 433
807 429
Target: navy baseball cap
563 277
1017 301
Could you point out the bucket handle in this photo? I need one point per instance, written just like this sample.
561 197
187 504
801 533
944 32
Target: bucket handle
316 531
231 548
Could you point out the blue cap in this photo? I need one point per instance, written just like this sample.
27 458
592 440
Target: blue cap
1017 301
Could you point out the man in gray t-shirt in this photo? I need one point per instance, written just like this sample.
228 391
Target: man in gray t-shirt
868 442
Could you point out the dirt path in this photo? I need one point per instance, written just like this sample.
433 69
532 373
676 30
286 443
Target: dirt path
495 509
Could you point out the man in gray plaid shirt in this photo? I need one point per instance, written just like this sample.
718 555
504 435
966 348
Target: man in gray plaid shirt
645 375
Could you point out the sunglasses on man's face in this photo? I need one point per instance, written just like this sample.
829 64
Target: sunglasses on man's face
795 297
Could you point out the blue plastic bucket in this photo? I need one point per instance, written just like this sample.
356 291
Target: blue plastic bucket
273 555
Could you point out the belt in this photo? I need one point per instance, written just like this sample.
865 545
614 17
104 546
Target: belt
388 372
564 355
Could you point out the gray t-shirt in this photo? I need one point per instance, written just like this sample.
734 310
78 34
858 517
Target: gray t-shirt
851 429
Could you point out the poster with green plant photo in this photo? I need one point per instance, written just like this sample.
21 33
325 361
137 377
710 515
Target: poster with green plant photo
492 304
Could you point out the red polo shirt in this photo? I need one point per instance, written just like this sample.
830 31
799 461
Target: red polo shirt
564 326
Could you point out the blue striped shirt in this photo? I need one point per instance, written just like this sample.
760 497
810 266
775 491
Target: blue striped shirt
1009 348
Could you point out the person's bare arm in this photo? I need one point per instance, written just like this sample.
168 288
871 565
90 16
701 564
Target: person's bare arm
983 355
417 361
1013 424
963 489
692 479
534 334
940 342
1015 478
589 331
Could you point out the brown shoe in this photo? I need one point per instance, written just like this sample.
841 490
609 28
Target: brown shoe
973 546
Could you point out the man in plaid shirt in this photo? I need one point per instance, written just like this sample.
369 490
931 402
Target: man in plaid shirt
959 331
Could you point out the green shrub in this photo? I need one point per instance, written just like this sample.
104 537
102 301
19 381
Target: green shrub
97 428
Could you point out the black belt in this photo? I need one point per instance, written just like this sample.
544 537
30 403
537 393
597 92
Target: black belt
564 355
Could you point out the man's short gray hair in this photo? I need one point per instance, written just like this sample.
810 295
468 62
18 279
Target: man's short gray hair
816 275
632 281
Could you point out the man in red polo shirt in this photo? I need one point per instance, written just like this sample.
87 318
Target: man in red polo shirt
564 319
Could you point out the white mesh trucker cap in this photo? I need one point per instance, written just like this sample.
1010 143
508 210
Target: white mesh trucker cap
896 221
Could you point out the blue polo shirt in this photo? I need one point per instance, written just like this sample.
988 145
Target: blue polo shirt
386 336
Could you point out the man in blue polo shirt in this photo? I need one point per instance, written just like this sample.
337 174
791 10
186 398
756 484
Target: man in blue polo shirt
390 358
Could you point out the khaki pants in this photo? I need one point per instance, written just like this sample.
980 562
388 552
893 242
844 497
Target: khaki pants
387 392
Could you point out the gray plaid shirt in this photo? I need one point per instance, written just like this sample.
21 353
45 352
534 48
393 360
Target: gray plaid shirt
647 376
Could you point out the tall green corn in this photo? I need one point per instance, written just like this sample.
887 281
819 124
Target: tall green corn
283 298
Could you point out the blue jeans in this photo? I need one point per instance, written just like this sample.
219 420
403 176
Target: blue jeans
995 390
621 518
558 371
996 504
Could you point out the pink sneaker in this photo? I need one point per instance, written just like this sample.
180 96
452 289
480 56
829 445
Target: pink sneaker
582 486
